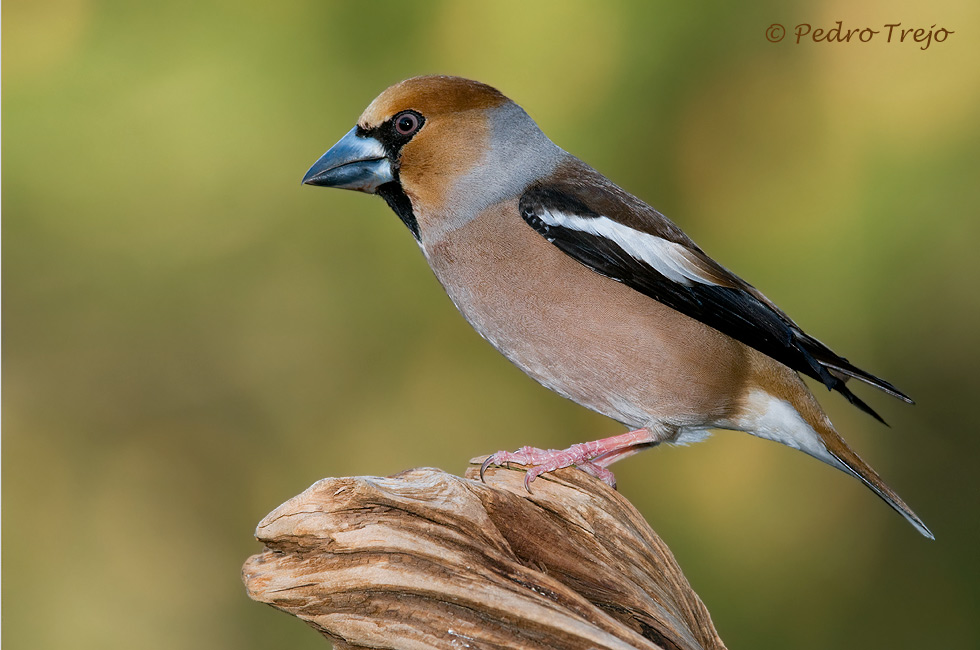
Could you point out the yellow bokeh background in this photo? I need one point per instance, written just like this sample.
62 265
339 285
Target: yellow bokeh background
191 337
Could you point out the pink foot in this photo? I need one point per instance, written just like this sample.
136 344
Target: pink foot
592 457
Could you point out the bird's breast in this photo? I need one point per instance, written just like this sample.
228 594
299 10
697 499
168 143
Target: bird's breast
583 335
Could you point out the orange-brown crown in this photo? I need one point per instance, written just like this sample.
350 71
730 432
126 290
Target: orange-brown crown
431 96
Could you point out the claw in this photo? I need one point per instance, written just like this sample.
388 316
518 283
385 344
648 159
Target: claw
484 466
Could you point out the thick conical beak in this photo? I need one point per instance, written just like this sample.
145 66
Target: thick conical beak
355 163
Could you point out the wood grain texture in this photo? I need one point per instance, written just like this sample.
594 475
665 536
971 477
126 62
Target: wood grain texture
425 559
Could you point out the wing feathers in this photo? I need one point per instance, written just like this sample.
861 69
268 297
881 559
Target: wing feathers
672 260
662 263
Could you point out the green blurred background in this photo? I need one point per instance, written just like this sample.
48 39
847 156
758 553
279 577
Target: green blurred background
192 337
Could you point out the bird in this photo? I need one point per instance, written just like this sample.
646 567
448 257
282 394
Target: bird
588 289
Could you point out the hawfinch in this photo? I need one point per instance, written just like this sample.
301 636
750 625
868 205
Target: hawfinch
588 289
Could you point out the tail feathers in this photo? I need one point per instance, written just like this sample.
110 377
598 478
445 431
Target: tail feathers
785 411
851 463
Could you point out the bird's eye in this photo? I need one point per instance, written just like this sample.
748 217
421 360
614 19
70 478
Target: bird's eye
407 123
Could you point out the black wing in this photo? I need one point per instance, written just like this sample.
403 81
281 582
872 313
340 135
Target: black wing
726 303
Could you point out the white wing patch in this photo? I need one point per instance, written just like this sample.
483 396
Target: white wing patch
670 259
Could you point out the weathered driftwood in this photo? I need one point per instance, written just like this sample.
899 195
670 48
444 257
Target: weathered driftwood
425 559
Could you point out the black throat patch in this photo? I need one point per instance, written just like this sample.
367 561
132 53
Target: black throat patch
397 200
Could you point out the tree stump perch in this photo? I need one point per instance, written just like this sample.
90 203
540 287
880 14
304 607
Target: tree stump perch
425 559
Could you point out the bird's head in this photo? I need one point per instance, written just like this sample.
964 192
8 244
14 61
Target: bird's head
435 147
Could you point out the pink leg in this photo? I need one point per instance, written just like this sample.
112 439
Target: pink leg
593 457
